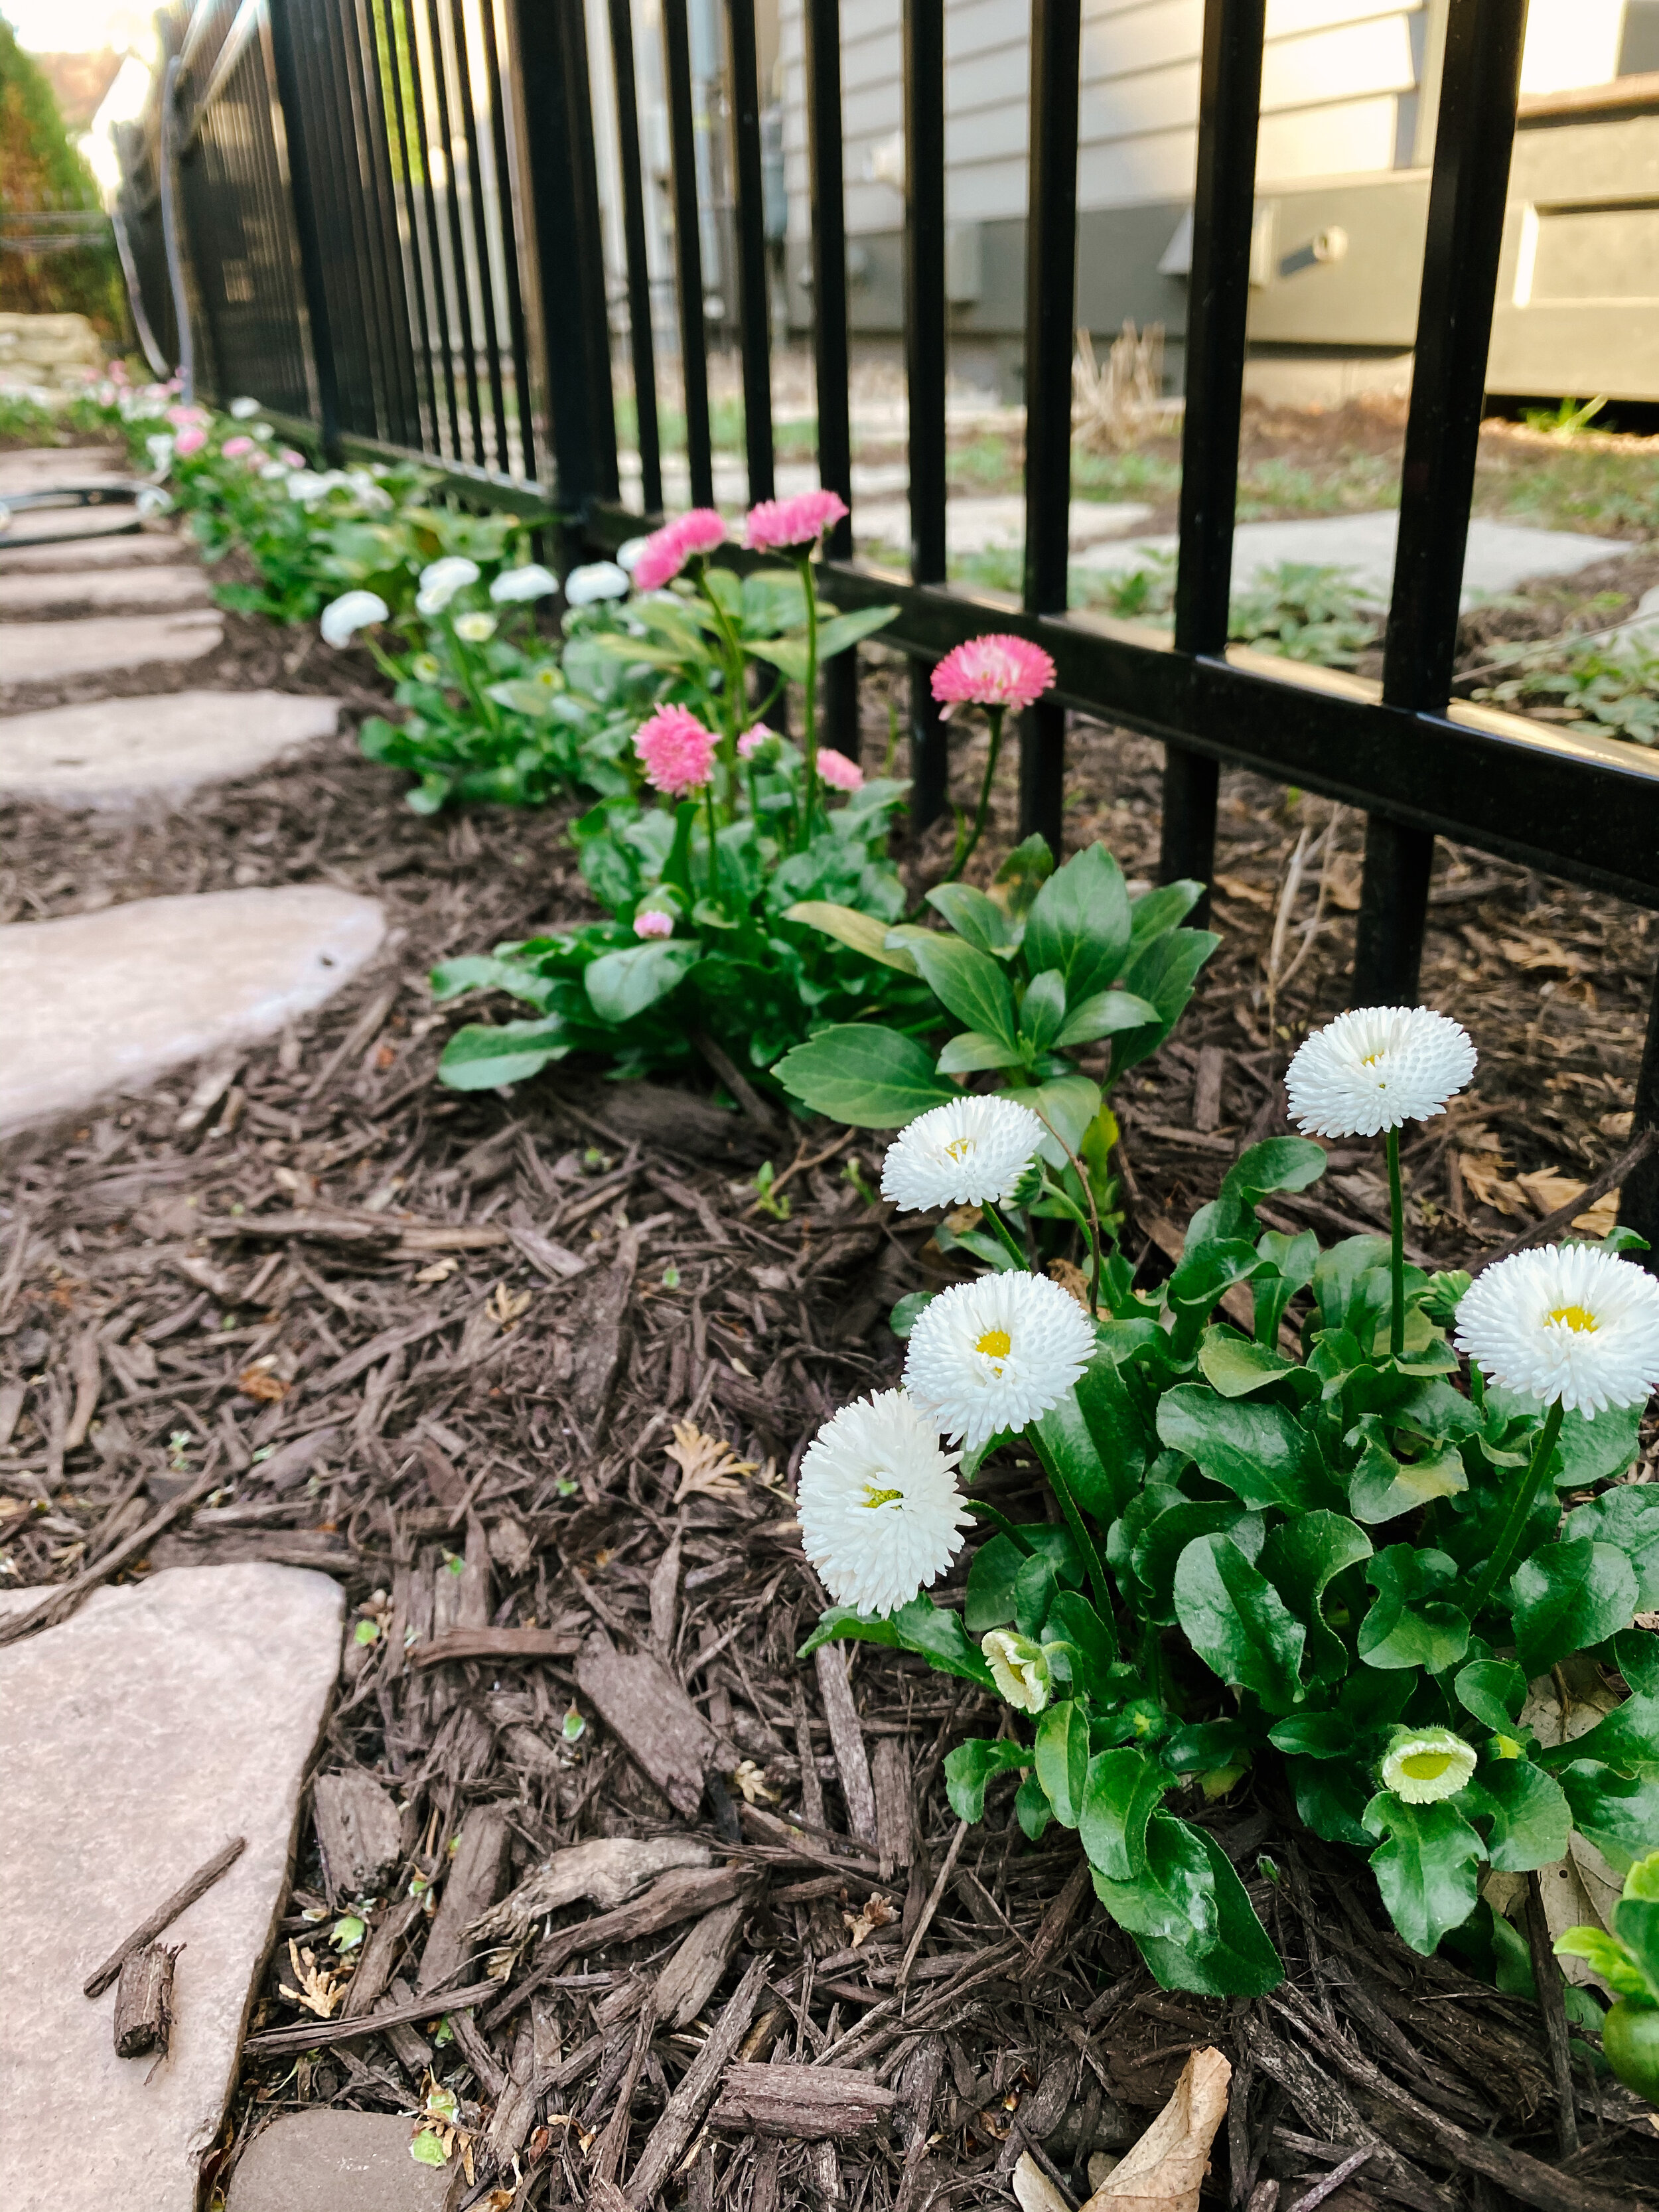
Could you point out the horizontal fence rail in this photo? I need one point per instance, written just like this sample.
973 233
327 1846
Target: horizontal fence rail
396 237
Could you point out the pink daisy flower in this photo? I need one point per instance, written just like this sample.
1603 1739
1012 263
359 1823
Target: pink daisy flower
234 449
189 441
678 753
837 771
752 739
666 551
778 524
290 459
652 921
997 671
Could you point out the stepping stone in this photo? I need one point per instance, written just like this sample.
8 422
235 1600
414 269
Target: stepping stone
1500 555
41 651
137 548
101 1002
115 754
45 468
64 592
978 526
336 2162
160 1720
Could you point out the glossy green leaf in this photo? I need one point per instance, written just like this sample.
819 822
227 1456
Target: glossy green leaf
995 1569
970 1052
1636 1654
1620 1813
1627 1737
1032 1809
863 933
1383 1485
973 986
1104 1013
1172 1896
1238 1623
622 984
1426 1869
866 1077
1494 1691
1035 1592
1408 1625
1592 1448
1301 1558
1042 1009
1066 1434
1068 1104
1062 1757
1313 1736
1236 1366
1073 1620
1116 1426
1162 971
1608 1959
921 1626
1627 1517
1166 1534
969 1768
1566 1597
1331 1799
1238 1959
1257 1451
1290 1263
972 915
1079 923
480 1057
1532 1819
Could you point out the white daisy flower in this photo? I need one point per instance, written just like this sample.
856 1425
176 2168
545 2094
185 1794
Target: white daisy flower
342 618
476 628
531 581
1422 1766
441 580
996 1354
962 1153
628 553
879 1508
1569 1322
241 409
595 579
1375 1067
152 501
1019 1668
159 446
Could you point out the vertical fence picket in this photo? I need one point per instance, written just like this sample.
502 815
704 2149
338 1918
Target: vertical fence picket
754 317
641 335
285 67
1050 297
1218 301
926 365
687 252
458 25
828 199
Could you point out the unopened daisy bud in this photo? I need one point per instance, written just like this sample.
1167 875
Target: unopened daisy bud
474 629
966 1153
441 580
1569 1322
880 1513
652 921
1375 1067
996 1353
342 618
425 668
1422 1766
1019 1669
515 587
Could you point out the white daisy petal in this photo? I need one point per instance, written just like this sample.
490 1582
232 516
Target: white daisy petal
996 1354
1570 1321
966 1153
513 586
1376 1066
879 1508
343 618
1019 1669
1422 1766
441 580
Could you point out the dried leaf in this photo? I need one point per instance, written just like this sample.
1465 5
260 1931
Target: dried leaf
875 1913
751 1780
505 1306
708 1466
1165 2170
319 1992
258 1382
440 1271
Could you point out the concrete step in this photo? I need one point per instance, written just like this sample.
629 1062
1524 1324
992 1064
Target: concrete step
134 549
43 651
112 755
60 592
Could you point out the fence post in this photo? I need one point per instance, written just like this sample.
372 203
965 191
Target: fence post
549 48
1050 337
307 233
925 372
1218 303
1480 81
821 23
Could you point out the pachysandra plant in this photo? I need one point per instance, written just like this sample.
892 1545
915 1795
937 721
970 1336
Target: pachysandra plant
1627 1959
725 828
1298 1550
1051 963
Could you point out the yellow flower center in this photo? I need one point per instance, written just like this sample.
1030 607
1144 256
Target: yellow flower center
1425 1765
874 1497
1371 1060
1575 1318
995 1344
960 1149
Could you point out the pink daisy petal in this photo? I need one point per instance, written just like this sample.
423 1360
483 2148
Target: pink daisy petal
678 752
777 524
652 921
752 739
666 551
837 771
996 671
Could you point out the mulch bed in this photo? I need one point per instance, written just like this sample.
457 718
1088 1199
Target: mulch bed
440 1346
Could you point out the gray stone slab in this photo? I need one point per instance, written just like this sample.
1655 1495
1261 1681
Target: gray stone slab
115 754
330 2162
134 1738
61 591
980 526
133 549
1500 555
42 652
42 468
101 1002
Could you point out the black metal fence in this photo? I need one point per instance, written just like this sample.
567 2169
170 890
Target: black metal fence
393 228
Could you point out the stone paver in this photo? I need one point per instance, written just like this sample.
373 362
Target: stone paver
977 526
136 587
133 549
101 1002
336 2162
118 753
42 652
1500 555
44 468
134 1738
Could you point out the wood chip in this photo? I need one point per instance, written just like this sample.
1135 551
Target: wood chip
804 2104
525 1643
642 1704
476 1875
846 1741
143 2002
164 1914
359 1829
666 2143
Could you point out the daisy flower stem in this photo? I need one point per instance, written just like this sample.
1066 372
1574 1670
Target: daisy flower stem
1397 1246
1005 1237
965 846
1520 1507
809 705
1000 1522
714 848
1087 1548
